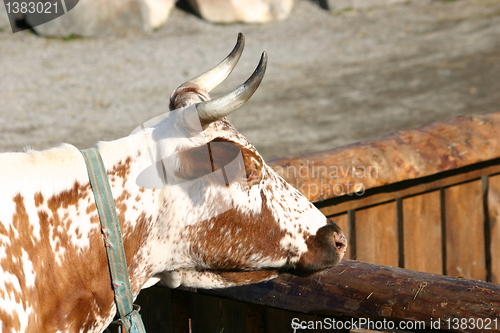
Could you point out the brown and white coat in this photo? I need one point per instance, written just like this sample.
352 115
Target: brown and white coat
54 274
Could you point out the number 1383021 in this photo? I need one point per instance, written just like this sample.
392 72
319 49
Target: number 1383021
25 7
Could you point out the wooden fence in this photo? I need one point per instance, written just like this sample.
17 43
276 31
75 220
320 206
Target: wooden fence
426 200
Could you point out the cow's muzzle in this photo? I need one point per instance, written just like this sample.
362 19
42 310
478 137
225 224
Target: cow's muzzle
325 250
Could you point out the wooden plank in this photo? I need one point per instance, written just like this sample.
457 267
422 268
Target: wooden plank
377 234
494 226
181 322
422 233
404 189
155 303
255 318
204 312
342 221
357 289
279 320
212 314
464 218
400 156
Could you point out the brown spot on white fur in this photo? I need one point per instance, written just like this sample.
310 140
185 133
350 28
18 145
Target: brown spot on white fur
70 289
234 241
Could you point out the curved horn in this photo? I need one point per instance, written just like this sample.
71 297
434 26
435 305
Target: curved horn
221 107
213 77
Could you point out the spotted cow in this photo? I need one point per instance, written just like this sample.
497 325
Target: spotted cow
54 274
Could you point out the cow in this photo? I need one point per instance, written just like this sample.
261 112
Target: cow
54 274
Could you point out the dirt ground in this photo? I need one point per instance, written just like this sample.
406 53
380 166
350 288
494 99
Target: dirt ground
332 79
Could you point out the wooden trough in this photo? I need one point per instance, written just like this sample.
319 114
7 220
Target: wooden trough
421 209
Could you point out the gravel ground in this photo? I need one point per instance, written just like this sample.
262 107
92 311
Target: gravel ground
332 79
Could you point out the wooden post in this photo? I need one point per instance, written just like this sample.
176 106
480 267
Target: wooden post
358 289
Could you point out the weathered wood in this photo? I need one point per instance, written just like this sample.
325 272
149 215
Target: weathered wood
212 314
255 318
404 155
364 290
279 320
465 251
377 235
154 305
422 233
494 225
408 188
179 310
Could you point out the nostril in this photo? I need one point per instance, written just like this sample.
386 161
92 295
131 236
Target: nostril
340 241
325 249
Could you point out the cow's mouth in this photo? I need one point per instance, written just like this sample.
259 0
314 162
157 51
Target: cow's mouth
325 250
248 277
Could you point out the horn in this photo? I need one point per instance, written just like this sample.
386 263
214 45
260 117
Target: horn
215 109
213 77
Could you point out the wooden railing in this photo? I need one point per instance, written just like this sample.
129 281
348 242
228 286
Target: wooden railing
444 224
426 199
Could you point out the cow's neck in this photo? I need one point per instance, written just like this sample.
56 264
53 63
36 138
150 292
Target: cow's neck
151 224
137 206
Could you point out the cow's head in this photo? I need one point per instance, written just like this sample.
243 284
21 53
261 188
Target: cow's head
230 219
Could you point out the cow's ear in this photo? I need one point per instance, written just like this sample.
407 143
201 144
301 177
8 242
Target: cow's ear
218 155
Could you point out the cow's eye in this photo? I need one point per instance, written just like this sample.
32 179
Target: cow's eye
253 176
